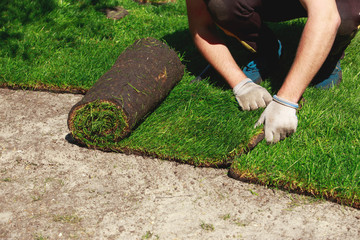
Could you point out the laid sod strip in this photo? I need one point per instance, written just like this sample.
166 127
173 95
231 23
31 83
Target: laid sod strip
197 124
323 157
139 80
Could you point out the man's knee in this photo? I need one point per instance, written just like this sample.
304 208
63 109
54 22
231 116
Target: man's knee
219 10
350 16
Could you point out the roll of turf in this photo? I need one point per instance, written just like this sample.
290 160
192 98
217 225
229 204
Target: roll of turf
142 76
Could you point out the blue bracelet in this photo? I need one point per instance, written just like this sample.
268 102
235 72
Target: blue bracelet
286 103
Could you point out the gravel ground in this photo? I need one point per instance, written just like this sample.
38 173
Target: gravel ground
52 189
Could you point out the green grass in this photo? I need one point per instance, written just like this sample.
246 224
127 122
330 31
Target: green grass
192 125
98 124
323 157
197 123
69 44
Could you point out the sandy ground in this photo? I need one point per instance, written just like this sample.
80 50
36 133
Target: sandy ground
52 189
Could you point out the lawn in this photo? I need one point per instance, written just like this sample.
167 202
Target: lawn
66 45
323 156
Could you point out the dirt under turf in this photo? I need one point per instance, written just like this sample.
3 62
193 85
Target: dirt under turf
53 189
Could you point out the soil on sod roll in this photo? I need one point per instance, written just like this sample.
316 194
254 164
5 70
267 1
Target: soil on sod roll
115 13
140 79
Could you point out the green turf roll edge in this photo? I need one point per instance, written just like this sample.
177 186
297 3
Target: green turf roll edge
140 79
98 123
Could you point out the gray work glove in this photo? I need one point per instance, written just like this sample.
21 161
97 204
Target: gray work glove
279 119
251 96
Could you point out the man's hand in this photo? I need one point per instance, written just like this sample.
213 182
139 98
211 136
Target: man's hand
251 96
279 119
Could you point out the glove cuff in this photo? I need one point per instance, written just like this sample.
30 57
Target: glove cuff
285 102
241 84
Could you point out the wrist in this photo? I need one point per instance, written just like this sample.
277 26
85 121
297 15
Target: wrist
232 76
285 102
241 84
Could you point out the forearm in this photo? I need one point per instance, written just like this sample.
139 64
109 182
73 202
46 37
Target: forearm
315 44
219 56
249 95
211 46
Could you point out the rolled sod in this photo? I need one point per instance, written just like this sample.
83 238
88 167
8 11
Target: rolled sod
140 79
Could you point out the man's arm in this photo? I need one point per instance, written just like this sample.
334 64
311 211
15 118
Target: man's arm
211 46
249 95
315 44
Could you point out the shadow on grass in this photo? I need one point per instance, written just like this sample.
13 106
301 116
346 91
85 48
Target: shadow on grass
20 12
24 11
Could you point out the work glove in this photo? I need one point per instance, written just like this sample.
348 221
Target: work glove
251 96
279 119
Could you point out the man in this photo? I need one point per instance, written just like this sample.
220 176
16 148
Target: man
328 31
